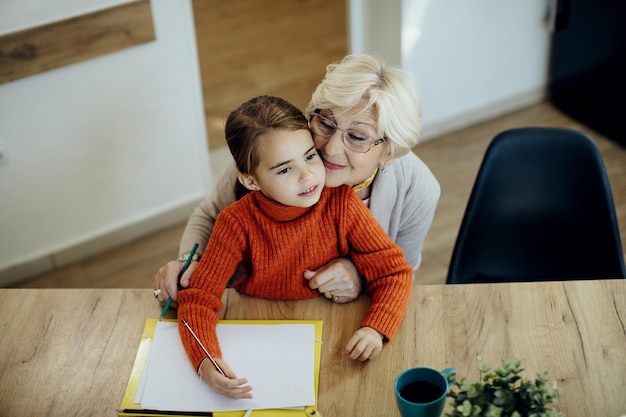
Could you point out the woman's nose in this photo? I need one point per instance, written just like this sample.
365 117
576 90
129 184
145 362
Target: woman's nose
332 145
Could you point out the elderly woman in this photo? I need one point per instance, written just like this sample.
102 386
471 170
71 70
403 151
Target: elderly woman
365 120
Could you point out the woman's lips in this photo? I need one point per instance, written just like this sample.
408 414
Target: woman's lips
331 166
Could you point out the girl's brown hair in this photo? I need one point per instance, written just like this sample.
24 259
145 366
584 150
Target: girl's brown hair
247 124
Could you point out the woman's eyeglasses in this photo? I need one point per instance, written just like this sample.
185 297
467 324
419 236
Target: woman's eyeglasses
353 139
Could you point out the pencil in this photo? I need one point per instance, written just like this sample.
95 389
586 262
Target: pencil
206 352
180 276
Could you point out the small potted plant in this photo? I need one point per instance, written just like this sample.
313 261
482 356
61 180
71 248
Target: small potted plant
503 392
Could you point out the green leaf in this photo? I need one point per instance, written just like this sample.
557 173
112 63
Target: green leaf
494 411
465 409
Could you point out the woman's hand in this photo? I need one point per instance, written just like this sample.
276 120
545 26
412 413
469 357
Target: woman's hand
229 385
166 280
366 343
338 280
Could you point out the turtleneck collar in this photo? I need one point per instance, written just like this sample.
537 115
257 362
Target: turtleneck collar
279 212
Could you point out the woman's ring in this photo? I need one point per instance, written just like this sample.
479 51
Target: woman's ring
156 293
332 295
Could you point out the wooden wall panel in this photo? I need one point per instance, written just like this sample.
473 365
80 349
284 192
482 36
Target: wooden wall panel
35 50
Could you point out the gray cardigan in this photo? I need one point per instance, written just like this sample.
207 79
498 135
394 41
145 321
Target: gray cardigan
403 200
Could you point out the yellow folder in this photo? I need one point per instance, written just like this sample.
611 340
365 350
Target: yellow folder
129 408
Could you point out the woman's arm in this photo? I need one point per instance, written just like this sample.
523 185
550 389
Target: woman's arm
198 230
202 220
403 201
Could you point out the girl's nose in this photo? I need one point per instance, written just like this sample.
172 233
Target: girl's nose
305 174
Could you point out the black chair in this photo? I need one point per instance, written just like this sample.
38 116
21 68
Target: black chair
541 210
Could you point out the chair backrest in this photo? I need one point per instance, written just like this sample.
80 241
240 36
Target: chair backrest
541 209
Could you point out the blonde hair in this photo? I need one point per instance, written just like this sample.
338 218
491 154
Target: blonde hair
389 92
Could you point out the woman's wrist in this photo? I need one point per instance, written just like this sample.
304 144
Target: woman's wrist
184 256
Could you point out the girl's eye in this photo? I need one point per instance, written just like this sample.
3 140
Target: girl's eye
284 171
310 156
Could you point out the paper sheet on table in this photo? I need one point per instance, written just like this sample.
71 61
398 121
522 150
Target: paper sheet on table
277 360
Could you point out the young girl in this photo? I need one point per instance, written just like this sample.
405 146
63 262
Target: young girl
288 223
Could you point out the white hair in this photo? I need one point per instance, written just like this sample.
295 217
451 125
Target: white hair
390 92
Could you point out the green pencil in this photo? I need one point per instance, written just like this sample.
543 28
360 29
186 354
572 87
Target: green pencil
180 276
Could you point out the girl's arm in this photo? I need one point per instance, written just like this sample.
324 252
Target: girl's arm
389 277
200 303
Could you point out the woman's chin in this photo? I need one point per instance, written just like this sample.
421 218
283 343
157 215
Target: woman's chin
334 180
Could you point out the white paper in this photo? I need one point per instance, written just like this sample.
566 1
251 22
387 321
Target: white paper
277 360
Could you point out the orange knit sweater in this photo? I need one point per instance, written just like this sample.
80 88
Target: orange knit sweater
276 243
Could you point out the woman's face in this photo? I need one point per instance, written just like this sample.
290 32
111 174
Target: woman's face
344 166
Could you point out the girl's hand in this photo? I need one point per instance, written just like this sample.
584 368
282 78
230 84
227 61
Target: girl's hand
229 385
366 343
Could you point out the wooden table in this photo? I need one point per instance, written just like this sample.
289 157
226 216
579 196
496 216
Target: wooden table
70 352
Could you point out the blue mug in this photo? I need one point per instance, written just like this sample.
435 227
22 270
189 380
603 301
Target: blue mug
421 392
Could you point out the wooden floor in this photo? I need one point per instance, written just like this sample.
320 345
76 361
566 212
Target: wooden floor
454 159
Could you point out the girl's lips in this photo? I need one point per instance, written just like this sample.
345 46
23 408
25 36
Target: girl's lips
331 166
309 192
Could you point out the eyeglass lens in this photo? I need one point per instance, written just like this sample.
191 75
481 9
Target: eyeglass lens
353 139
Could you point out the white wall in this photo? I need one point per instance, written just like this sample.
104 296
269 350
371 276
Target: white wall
101 151
473 60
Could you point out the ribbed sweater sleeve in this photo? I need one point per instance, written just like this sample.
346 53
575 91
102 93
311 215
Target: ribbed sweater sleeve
388 275
200 303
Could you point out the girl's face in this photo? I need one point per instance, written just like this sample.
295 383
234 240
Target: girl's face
290 170
344 166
